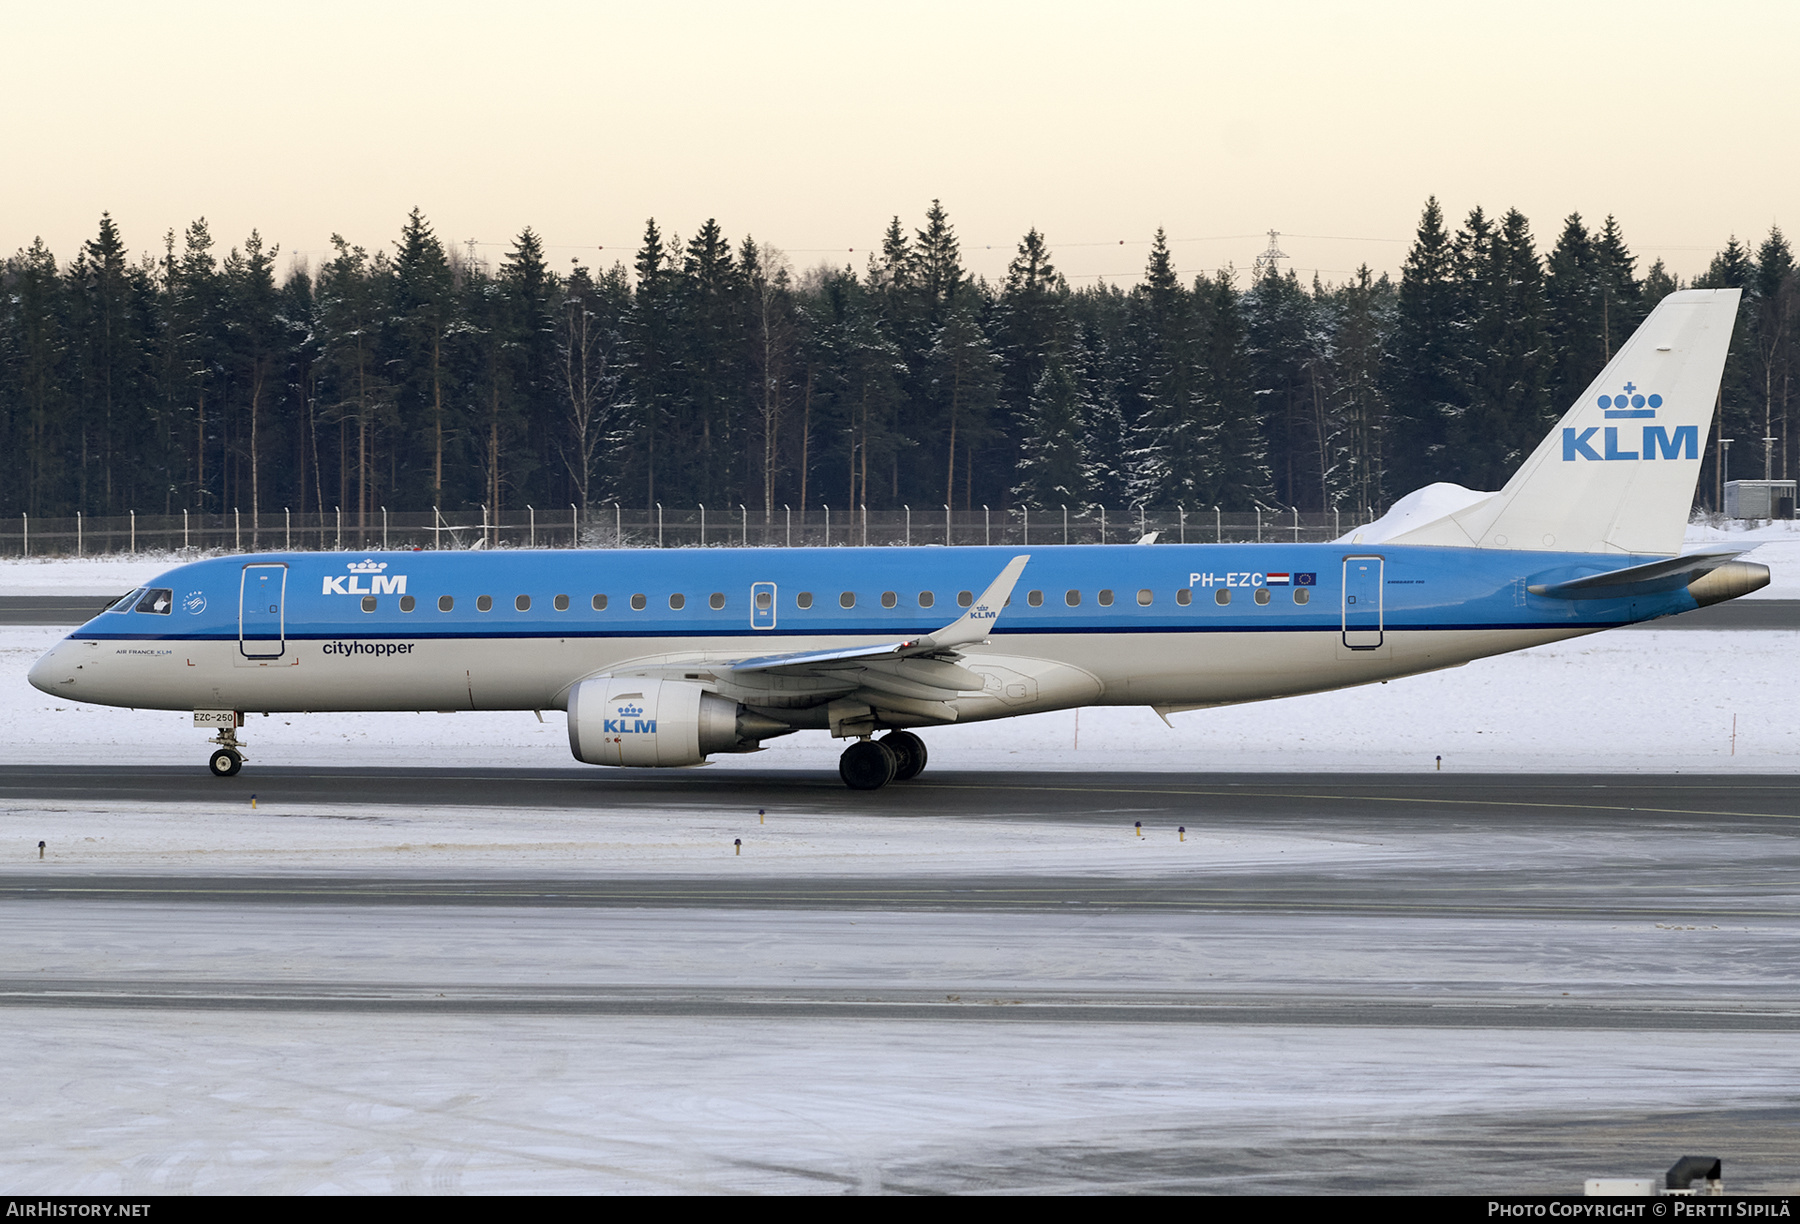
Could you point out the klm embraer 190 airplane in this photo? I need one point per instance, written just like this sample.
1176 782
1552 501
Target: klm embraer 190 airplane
663 658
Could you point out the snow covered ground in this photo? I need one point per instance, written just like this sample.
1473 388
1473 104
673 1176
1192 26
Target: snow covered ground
174 1102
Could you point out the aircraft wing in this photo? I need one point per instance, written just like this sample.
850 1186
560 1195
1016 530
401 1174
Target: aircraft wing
971 627
918 679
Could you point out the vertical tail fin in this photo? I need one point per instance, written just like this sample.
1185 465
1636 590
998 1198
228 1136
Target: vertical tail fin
1617 474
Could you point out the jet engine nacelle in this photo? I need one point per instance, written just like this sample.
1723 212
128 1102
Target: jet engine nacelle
648 722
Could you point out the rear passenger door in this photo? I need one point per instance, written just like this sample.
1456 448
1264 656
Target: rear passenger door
1362 603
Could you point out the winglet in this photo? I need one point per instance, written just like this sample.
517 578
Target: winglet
975 624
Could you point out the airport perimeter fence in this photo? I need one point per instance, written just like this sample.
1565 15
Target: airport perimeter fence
614 526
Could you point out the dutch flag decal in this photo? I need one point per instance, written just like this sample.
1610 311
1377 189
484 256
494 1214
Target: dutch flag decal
1279 579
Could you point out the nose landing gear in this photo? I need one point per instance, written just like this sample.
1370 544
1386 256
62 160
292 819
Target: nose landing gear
228 757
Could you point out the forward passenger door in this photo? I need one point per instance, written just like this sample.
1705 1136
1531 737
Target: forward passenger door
262 621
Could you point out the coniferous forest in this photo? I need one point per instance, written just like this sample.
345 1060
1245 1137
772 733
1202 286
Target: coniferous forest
710 371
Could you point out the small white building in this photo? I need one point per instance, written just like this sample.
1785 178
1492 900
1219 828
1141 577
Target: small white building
1759 499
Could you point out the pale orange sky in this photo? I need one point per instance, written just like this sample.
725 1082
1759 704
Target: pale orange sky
809 125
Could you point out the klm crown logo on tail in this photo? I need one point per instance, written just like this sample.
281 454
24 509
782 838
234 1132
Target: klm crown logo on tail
1656 442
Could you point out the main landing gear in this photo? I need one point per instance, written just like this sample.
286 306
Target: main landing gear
871 764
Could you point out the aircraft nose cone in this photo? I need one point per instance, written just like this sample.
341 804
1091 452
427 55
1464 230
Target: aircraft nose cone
43 673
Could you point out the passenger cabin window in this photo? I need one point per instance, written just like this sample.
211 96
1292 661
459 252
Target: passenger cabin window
1073 599
639 603
523 603
484 603
926 599
158 600
599 602
368 603
1106 599
677 602
803 599
964 598
446 602
764 601
1221 597
1301 595
1262 595
889 599
1144 598
717 600
847 599
1184 597
408 603
560 603
1035 599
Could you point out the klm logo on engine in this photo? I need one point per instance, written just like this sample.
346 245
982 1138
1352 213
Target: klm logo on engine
1610 443
352 583
628 722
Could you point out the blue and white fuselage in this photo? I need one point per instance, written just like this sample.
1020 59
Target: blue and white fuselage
1167 625
665 657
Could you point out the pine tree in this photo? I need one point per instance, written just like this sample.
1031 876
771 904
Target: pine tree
639 445
965 383
1740 406
1030 320
1240 472
1174 456
1504 358
1280 319
1053 468
253 357
940 273
1777 305
713 401
1574 318
353 294
424 315
192 343
1426 353
1366 310
1622 305
109 318
36 370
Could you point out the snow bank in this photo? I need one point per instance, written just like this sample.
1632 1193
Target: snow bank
1417 508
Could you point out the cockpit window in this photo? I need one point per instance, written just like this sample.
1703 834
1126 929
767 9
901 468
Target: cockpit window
157 599
125 602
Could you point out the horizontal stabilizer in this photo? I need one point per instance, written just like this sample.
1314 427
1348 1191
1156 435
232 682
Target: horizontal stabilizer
1653 577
